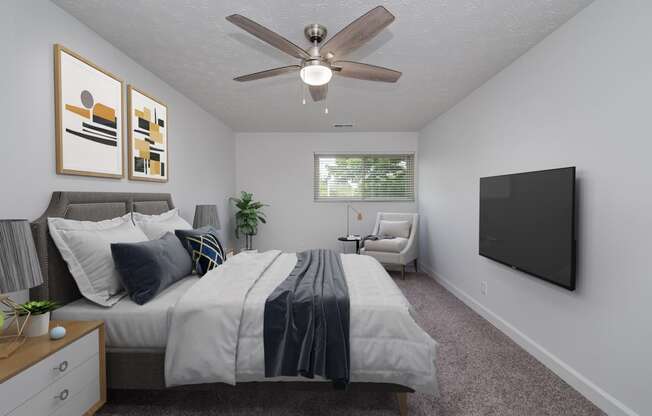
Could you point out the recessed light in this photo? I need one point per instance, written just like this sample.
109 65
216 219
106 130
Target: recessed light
341 125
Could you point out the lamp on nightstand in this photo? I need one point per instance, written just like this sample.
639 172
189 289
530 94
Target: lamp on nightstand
206 215
19 270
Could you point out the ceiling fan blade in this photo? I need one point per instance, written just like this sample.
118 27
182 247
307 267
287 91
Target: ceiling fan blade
268 73
266 35
365 71
318 93
357 32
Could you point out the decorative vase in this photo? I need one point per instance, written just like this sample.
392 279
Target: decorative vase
38 325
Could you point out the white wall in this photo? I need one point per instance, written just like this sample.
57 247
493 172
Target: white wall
202 148
278 169
582 98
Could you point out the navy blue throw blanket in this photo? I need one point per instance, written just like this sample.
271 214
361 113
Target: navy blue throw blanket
306 322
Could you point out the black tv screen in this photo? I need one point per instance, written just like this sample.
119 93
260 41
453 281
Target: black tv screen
527 221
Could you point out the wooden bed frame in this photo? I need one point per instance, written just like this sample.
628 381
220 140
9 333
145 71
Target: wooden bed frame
135 369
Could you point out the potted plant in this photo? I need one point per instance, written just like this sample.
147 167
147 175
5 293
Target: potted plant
247 217
39 320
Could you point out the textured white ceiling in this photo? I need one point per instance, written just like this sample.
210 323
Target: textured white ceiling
445 49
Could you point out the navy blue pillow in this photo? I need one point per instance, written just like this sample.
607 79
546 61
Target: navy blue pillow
204 248
149 267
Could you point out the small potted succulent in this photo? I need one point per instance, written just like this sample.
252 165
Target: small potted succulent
39 320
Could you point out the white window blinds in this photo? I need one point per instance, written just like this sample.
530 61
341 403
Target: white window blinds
364 177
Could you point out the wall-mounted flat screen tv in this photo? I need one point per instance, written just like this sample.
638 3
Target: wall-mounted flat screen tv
527 221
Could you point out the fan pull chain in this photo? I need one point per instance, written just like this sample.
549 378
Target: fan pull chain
303 89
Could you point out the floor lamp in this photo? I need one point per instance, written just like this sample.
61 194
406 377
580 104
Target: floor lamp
19 270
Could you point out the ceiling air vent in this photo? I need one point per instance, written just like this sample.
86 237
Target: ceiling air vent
342 125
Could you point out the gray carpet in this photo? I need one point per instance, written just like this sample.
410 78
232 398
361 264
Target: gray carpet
481 372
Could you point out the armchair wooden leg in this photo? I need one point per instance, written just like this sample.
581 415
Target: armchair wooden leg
403 271
402 403
415 266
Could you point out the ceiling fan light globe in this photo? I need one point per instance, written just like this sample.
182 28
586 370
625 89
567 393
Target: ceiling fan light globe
315 75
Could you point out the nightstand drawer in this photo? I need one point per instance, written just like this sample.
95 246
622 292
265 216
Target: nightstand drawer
67 390
19 389
82 402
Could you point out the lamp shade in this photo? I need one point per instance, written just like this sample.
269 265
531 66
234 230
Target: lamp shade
206 215
19 266
315 74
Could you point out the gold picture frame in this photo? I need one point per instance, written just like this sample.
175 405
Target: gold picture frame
88 125
148 154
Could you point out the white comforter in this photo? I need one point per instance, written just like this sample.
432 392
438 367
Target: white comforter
216 332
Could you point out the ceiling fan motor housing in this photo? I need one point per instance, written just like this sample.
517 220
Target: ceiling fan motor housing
315 32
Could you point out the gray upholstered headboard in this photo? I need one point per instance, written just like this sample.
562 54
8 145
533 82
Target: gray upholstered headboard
90 206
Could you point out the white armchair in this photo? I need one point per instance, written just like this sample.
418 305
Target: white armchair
400 251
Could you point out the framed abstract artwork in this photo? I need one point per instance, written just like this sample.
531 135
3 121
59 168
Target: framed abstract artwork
88 116
148 137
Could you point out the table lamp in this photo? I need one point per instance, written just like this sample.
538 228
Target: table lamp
358 216
206 215
19 270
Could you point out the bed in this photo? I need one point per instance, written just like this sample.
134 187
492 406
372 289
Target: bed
137 336
127 324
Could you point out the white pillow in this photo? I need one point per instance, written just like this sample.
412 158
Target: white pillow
86 248
394 228
156 226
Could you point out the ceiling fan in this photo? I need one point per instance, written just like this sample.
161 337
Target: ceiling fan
319 62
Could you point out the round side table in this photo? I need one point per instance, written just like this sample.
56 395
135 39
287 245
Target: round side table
355 240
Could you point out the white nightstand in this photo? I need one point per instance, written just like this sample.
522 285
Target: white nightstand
66 377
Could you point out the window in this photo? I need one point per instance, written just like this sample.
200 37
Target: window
364 177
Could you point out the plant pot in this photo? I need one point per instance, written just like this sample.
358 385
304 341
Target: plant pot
38 325
249 242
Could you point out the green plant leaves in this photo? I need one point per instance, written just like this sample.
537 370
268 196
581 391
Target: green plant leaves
38 307
248 214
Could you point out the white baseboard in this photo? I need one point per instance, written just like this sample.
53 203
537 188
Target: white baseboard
586 387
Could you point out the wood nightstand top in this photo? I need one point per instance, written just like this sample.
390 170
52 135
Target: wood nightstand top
37 348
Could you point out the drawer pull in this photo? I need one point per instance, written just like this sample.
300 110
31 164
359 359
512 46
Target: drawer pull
62 367
63 395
